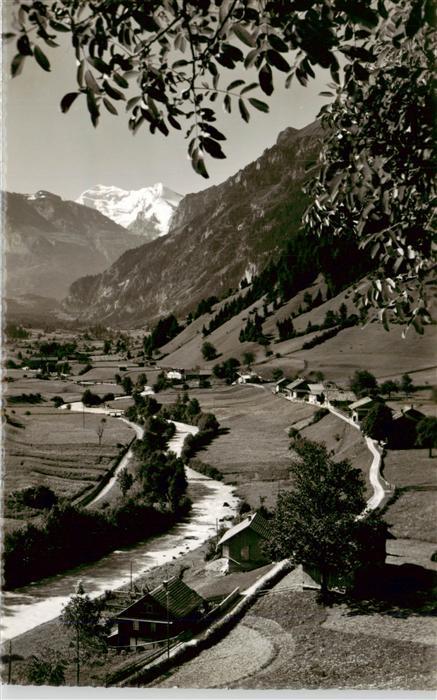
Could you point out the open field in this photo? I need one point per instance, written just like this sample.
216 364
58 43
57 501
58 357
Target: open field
287 640
59 449
253 451
413 515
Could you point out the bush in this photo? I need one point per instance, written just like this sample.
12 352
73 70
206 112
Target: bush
205 469
90 399
58 401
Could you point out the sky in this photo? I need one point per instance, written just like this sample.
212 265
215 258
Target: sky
65 154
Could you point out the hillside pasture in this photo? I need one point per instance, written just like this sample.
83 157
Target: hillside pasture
253 449
413 513
60 449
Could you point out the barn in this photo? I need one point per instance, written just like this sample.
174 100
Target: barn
242 545
163 612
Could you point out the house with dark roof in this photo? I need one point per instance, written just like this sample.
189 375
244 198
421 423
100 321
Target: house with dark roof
359 409
403 429
242 545
298 389
162 613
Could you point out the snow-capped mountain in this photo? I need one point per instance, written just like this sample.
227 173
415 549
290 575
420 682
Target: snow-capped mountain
146 212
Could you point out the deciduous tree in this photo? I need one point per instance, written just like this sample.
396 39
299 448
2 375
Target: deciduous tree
363 382
427 433
317 523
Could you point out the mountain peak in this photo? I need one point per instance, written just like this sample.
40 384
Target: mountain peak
146 212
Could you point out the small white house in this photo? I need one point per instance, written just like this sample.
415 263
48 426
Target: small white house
177 375
280 385
248 377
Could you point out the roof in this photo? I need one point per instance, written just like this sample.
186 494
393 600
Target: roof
180 598
409 412
254 522
296 383
281 381
366 401
361 402
316 388
340 395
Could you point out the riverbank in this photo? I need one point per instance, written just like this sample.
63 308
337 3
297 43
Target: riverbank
37 603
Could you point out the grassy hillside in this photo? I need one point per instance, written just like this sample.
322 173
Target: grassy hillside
386 354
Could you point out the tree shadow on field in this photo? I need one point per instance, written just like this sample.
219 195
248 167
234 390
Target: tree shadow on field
398 591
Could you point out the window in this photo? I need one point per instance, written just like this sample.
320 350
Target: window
136 625
152 627
245 552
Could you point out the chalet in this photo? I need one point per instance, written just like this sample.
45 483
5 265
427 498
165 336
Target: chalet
299 389
403 431
242 544
162 613
316 393
359 409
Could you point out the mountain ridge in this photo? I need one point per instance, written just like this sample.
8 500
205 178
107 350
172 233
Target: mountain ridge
146 212
218 235
49 242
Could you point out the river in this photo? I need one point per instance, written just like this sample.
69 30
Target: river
42 601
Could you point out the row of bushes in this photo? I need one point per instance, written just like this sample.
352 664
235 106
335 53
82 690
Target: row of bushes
70 536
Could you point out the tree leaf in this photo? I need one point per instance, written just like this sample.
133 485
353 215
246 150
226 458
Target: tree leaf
92 106
277 60
277 43
132 102
68 100
212 131
109 106
243 110
121 82
112 91
258 104
100 65
243 35
41 58
266 79
234 84
17 64
212 147
23 45
252 86
91 82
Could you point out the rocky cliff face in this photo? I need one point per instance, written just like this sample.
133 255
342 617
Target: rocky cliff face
50 242
218 236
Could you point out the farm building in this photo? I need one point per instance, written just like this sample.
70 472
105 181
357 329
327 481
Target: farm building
403 431
316 393
242 544
280 385
359 409
299 389
164 612
245 377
